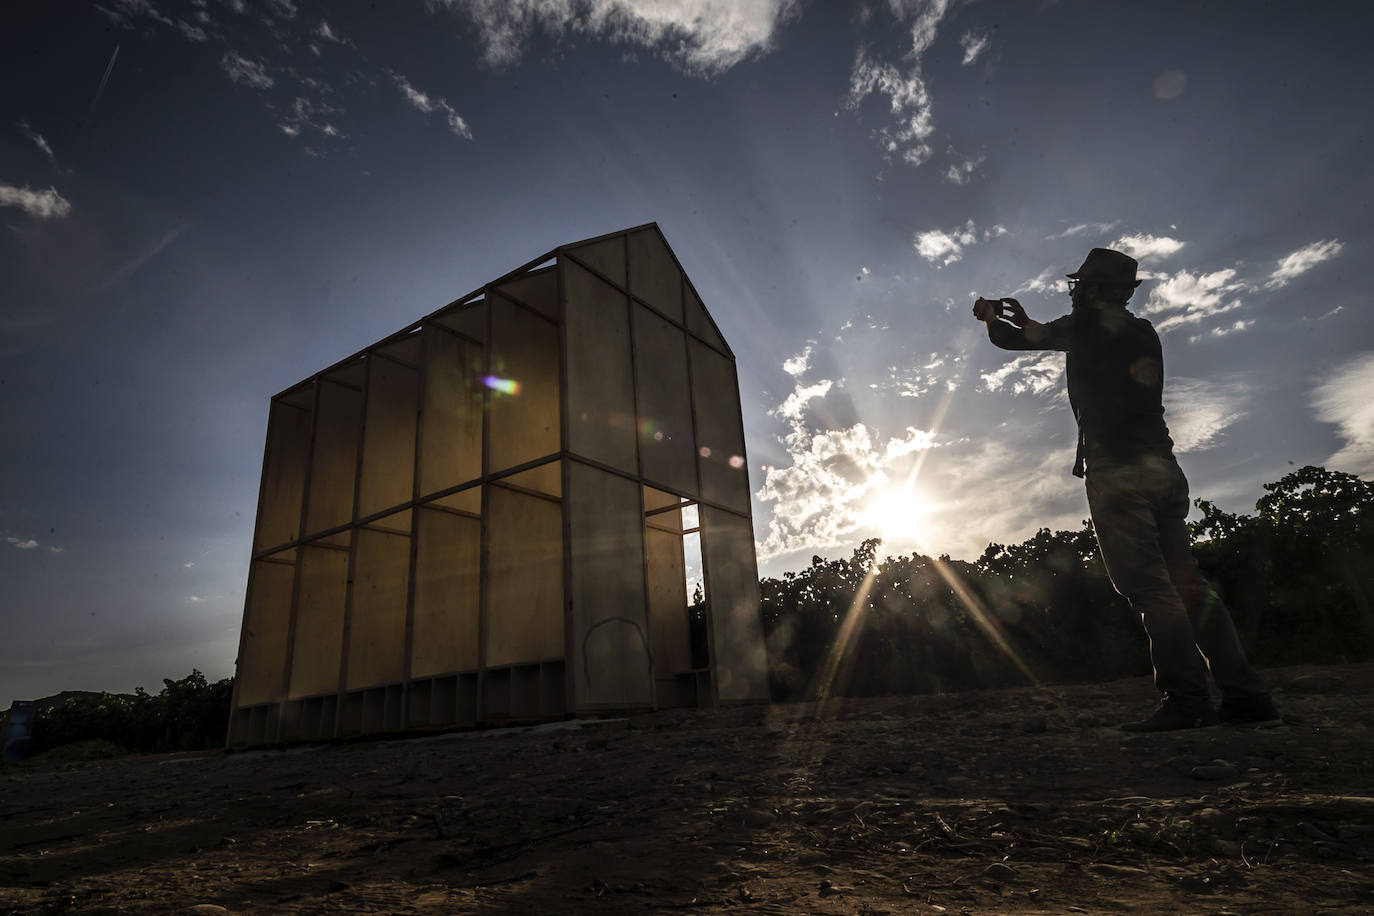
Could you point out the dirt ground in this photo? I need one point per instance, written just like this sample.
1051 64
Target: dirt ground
1006 801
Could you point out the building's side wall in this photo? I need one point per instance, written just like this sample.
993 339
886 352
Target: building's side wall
483 518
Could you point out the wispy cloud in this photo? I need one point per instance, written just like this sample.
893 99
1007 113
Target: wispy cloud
944 247
1144 246
1051 279
45 203
132 266
1198 411
325 31
125 12
1225 330
306 113
960 169
1080 228
908 97
245 72
19 543
1031 373
974 44
1342 398
431 104
1301 261
701 37
1188 298
39 141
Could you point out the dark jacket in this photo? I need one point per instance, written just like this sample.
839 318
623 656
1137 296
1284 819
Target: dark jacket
1116 380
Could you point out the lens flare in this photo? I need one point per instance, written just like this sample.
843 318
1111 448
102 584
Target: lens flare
503 385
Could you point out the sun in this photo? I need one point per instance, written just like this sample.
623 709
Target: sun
899 515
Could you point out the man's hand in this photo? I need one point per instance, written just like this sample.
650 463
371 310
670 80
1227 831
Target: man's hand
985 309
1012 311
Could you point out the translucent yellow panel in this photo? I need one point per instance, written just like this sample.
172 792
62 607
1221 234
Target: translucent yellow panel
720 438
537 289
334 465
544 478
262 655
732 585
524 610
316 652
699 323
658 499
665 410
600 383
609 621
451 415
447 553
283 475
669 637
388 470
470 320
405 350
607 258
654 276
377 621
523 400
469 500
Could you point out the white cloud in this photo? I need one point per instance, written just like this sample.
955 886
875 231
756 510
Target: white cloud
1198 411
702 37
909 101
45 204
959 172
245 72
1235 327
798 364
1033 373
819 500
1301 261
1049 280
973 44
1342 398
325 31
24 544
1080 228
1193 297
431 104
944 248
286 9
794 407
1146 246
38 140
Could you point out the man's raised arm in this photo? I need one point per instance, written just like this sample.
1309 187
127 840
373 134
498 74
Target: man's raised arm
1010 328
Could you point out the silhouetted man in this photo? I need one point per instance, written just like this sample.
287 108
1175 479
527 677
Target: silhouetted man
1137 493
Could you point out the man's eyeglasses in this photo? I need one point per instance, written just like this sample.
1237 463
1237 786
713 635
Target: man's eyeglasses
1071 284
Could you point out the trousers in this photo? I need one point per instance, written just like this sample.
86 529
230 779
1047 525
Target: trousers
1138 508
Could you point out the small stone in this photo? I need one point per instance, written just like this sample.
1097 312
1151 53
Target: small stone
1000 871
759 817
1214 772
206 909
1036 725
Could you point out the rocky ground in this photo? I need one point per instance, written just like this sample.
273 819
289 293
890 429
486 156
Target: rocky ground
1006 801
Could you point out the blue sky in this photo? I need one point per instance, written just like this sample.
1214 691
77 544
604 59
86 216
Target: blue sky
204 202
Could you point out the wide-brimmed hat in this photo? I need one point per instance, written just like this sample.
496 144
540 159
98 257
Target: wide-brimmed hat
1103 265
